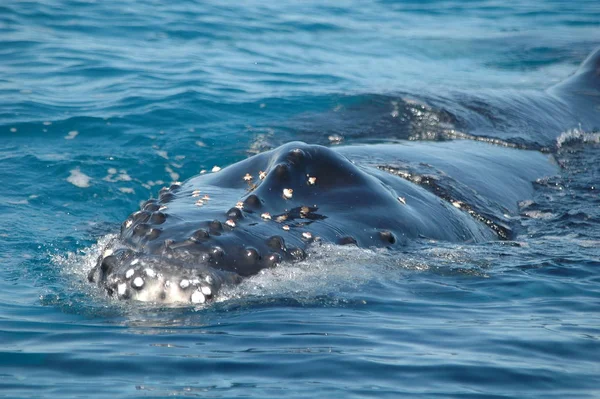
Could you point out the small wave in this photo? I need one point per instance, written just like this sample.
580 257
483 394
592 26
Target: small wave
348 273
329 270
78 264
577 136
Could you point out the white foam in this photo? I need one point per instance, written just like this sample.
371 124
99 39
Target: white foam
71 135
174 175
539 215
329 269
577 136
76 265
79 179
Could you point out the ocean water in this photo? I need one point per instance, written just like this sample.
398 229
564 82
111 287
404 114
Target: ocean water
104 102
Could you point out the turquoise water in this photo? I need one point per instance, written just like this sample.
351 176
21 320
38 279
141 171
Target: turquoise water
103 103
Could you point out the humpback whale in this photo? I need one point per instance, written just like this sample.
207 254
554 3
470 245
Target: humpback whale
218 228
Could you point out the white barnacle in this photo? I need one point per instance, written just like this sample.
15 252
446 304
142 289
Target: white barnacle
199 203
150 272
287 193
239 205
206 197
135 262
184 283
215 169
196 193
457 204
402 200
208 279
206 290
128 223
198 297
129 273
247 177
195 281
286 227
230 223
162 208
262 175
312 180
121 289
167 284
307 235
138 282
266 216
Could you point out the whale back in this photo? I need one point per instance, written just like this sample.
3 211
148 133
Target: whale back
582 91
586 80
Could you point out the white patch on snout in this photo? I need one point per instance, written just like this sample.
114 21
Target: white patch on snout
150 273
121 289
138 282
198 297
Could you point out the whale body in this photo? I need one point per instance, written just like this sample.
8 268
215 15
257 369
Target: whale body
218 228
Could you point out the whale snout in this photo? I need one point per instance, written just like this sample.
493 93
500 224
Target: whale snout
126 274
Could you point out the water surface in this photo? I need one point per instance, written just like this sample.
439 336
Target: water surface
102 103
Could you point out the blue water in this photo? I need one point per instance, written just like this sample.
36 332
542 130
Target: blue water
102 103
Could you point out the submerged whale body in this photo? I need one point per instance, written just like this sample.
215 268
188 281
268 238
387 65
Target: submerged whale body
218 228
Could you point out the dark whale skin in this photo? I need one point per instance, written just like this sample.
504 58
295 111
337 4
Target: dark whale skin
216 228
